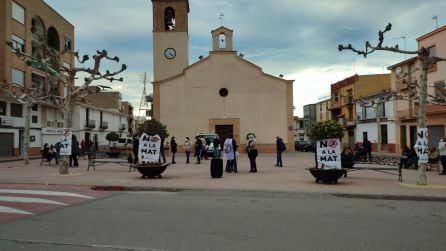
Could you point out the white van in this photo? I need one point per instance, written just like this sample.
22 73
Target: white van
124 143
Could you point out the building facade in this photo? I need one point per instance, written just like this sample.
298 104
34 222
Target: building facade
221 93
24 23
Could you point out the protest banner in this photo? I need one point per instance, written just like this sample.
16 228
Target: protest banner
328 153
421 146
65 141
149 148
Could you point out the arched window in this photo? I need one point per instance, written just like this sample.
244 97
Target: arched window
222 41
53 38
169 19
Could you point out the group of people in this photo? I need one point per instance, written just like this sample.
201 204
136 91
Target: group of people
229 149
50 152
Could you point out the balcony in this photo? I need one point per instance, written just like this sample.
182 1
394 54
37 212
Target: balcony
90 124
104 125
348 100
407 114
149 98
121 127
334 105
149 113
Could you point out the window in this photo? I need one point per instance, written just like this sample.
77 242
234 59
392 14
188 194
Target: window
440 91
18 13
169 19
16 110
18 77
432 53
3 108
34 119
222 41
67 43
35 107
18 43
364 113
336 97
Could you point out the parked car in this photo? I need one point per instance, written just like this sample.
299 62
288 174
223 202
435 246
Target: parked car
303 146
124 143
209 137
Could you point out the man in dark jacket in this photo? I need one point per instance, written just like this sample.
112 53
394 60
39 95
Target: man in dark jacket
135 148
74 151
368 148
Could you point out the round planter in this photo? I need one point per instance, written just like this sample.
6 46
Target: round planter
151 170
327 175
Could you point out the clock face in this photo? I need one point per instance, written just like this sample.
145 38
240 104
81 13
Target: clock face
170 53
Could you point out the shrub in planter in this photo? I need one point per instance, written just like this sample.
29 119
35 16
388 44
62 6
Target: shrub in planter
326 130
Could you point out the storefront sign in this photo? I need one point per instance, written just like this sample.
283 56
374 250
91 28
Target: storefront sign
329 154
421 146
149 148
65 141
52 130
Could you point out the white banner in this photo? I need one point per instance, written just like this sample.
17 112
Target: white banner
149 148
421 146
329 153
65 141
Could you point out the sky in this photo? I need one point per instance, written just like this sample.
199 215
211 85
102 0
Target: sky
295 38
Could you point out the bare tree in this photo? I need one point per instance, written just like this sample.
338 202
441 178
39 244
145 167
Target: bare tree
57 72
426 62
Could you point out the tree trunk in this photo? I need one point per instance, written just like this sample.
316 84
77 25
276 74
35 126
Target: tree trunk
422 178
69 105
28 107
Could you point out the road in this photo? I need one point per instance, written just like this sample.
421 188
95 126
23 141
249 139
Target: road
231 220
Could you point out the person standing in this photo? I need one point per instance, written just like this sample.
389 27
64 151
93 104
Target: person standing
204 148
442 150
135 148
74 151
229 154
187 148
234 149
216 143
198 146
368 149
252 153
280 148
173 149
83 146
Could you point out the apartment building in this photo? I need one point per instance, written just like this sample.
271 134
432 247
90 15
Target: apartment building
24 23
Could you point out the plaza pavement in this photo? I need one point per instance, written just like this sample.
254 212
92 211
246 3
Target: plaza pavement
293 177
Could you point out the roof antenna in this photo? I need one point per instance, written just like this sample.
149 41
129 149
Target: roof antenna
436 21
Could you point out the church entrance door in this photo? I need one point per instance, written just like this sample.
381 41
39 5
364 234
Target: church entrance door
224 131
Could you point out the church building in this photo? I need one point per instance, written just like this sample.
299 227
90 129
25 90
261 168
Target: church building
221 93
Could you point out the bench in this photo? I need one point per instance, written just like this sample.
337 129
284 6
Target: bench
382 169
94 161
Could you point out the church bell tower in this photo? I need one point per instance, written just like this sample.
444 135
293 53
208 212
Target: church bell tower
170 38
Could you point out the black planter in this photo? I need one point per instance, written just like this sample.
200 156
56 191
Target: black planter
113 154
327 175
151 170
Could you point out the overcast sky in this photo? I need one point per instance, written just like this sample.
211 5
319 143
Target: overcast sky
296 38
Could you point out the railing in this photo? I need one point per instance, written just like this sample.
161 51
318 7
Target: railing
91 123
407 114
104 125
334 105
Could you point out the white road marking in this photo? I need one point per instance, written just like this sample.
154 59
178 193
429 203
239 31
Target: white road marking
30 200
10 210
44 192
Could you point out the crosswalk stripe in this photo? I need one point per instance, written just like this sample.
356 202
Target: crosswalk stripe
30 200
44 192
11 210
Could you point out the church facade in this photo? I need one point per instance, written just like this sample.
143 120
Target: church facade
221 93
